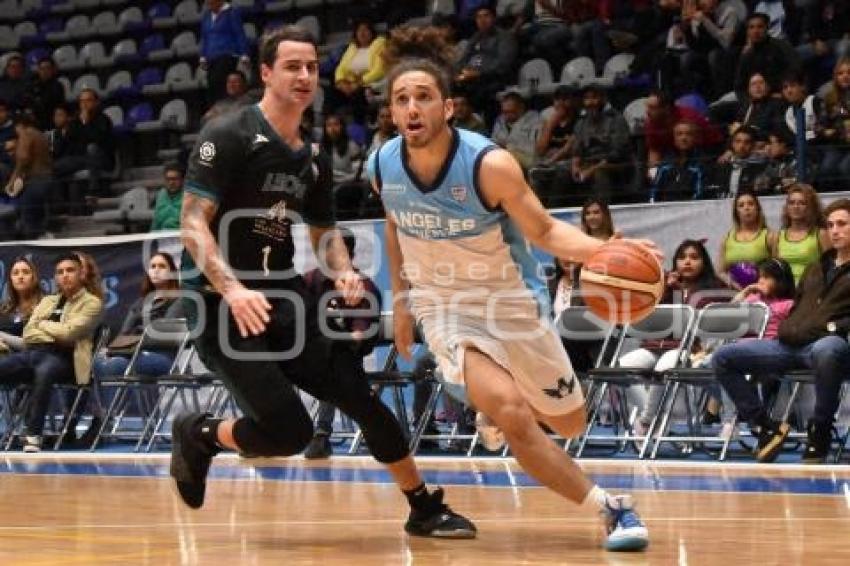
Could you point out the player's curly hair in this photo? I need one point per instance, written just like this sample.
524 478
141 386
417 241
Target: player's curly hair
425 49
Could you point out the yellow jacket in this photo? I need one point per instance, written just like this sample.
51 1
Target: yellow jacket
79 319
376 63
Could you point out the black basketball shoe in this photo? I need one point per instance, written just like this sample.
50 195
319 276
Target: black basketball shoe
190 459
437 519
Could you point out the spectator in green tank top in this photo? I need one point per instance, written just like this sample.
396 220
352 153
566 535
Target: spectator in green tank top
747 240
802 238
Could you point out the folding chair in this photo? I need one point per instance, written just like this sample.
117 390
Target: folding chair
182 378
579 324
161 335
390 376
795 379
17 398
100 339
717 323
666 322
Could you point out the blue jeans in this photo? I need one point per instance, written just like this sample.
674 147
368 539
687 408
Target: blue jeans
41 368
148 363
828 358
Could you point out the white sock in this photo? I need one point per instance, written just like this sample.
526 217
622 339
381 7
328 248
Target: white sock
597 499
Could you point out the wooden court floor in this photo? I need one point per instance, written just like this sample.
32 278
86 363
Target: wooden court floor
106 509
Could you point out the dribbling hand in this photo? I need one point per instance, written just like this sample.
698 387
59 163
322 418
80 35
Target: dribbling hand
403 331
250 310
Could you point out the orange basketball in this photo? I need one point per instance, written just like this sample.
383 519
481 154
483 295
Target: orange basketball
622 282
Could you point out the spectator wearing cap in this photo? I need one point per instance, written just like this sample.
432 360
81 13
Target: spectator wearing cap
661 115
487 62
761 53
13 84
517 128
45 93
224 46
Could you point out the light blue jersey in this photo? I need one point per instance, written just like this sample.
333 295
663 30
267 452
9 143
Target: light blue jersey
474 283
449 237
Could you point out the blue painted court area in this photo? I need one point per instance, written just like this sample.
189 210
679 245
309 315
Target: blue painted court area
645 480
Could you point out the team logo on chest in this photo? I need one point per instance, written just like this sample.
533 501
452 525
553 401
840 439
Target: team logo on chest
273 224
277 212
458 193
207 153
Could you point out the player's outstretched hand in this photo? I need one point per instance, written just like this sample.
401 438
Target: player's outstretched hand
403 331
250 309
350 284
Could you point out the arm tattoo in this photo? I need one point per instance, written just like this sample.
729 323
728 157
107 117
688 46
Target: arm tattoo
195 218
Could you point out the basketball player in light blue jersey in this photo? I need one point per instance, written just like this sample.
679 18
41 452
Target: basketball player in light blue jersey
460 218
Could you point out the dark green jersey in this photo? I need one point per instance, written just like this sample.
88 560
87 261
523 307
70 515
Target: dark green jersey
262 187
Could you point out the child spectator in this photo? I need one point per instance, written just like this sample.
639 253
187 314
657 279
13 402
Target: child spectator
781 169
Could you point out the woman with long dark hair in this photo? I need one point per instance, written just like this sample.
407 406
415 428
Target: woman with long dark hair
690 281
22 293
158 299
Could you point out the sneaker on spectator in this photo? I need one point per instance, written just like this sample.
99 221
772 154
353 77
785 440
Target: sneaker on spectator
32 444
818 443
771 437
491 437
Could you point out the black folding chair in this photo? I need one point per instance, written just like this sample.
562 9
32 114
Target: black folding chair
169 335
666 322
716 323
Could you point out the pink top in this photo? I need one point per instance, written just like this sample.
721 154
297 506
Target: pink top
779 311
